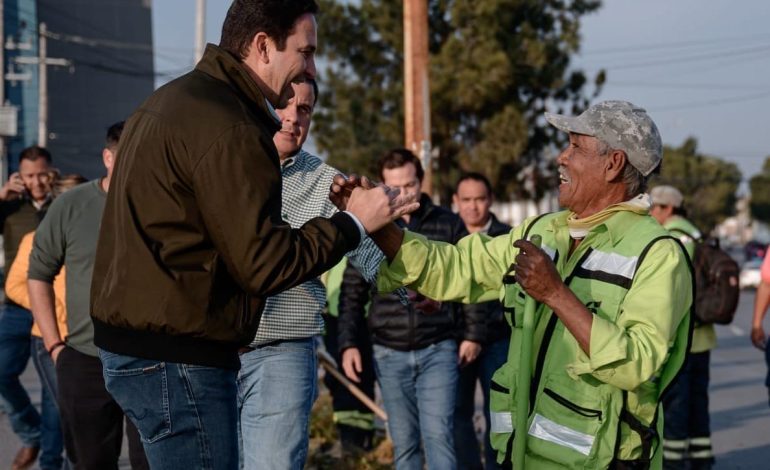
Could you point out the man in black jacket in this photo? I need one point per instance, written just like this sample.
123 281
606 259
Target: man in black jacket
415 346
473 199
24 199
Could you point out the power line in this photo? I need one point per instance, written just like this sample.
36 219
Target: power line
702 104
755 50
91 42
671 45
133 72
689 86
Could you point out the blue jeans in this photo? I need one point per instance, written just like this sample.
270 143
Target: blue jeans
186 415
277 385
51 441
492 357
418 391
15 337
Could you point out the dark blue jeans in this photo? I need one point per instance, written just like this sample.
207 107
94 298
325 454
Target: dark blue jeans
492 357
187 415
15 336
51 441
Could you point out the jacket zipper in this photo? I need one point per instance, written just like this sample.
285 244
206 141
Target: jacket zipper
587 412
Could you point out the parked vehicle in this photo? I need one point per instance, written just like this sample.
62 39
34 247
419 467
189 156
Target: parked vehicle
754 249
750 276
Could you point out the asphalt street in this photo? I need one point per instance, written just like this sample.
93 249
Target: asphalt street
740 415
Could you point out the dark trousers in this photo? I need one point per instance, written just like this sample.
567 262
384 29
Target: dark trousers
352 434
92 422
687 433
767 361
492 357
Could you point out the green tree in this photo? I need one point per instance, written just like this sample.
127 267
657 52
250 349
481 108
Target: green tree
495 66
759 185
707 183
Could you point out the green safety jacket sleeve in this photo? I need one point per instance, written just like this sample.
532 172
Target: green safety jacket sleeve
469 272
631 350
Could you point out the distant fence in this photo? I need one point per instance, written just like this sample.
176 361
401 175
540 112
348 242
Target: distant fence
515 212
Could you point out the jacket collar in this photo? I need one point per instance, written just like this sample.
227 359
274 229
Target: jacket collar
221 65
497 227
426 206
615 227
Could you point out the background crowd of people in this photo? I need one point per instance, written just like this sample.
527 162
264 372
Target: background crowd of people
193 300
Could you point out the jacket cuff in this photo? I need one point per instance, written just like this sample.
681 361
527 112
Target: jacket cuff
345 345
608 346
475 337
349 228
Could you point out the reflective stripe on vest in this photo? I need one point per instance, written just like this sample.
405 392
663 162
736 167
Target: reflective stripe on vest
549 251
609 267
547 430
500 422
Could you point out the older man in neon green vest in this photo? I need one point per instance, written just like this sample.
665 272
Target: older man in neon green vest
614 292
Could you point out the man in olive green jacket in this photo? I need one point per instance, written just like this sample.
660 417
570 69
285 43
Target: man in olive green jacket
192 240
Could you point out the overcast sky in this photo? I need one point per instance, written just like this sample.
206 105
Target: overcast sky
700 68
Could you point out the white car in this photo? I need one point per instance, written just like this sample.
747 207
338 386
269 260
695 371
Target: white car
750 274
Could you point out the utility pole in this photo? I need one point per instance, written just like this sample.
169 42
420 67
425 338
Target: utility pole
42 83
416 86
200 29
42 61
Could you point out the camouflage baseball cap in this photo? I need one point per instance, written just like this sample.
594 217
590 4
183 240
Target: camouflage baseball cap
621 125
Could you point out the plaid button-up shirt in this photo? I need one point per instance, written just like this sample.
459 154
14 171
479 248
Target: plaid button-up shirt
296 313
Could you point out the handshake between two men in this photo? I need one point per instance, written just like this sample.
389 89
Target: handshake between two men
374 205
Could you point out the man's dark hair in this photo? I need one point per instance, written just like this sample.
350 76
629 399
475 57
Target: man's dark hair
276 18
473 176
113 135
35 152
397 158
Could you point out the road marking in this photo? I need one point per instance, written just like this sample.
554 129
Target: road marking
737 331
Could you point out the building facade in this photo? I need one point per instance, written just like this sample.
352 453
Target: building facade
109 45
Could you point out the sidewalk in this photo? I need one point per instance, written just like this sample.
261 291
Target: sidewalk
10 444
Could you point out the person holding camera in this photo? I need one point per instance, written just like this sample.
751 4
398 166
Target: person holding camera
24 199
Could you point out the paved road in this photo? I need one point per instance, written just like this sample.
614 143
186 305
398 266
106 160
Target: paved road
739 400
740 415
10 444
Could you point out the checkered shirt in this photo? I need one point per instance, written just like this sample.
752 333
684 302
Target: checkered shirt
296 313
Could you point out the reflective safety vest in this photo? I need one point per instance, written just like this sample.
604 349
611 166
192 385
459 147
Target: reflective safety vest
575 418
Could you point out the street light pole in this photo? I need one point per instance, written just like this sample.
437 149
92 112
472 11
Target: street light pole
42 121
416 86
200 29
